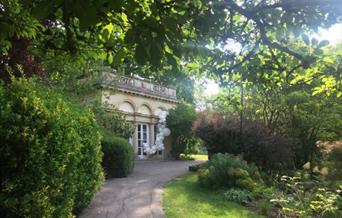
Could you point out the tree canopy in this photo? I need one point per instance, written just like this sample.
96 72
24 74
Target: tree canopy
168 33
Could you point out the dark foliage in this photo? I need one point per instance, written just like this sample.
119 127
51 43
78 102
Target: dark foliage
49 155
19 55
118 156
195 167
255 142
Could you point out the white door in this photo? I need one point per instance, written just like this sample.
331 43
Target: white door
143 133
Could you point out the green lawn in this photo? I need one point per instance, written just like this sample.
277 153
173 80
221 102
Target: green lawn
199 156
183 197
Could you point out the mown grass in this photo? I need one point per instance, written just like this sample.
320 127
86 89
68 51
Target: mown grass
183 197
199 156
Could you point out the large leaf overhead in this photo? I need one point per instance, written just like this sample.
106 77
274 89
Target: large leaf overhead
161 32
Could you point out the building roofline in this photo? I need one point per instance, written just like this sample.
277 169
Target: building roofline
138 93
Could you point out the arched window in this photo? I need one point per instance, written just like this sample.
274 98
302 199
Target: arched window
144 109
126 107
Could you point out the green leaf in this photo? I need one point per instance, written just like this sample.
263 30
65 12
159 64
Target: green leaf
306 39
198 4
316 91
130 36
110 57
172 60
318 51
140 54
323 43
119 56
314 41
45 8
116 4
86 13
155 54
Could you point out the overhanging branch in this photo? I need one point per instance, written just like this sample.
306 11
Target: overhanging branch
261 26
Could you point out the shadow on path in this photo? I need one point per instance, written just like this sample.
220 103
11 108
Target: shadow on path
138 195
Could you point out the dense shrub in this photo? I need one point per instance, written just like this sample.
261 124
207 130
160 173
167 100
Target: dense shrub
238 195
301 196
332 156
222 134
118 156
228 171
270 151
50 157
195 167
180 121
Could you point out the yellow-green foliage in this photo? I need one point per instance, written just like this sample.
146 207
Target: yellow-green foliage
228 171
50 153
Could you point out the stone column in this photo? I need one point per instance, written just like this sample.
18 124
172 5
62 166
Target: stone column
135 139
151 127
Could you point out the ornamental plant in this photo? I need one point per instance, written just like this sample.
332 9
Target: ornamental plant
302 197
228 171
238 195
50 157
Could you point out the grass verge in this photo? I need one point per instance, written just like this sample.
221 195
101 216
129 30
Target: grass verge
199 156
183 197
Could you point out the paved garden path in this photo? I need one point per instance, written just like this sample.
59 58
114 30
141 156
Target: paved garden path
139 195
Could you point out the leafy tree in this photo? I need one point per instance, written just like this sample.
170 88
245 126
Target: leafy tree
180 121
167 32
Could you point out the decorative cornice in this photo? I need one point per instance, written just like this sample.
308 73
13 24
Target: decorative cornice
137 93
137 86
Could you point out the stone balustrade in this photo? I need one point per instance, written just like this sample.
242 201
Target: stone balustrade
139 85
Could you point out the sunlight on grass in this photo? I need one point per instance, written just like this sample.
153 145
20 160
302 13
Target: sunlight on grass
199 156
183 197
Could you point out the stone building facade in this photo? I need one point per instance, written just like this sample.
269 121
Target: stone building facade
141 101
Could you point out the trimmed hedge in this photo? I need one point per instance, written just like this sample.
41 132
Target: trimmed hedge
118 156
50 156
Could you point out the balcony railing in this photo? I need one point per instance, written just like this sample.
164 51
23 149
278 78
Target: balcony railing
139 85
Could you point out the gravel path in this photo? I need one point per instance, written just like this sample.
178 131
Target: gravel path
139 195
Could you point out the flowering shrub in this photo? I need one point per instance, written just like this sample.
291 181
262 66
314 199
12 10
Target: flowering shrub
228 171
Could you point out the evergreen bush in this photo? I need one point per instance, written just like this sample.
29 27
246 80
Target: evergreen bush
118 156
228 171
49 154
